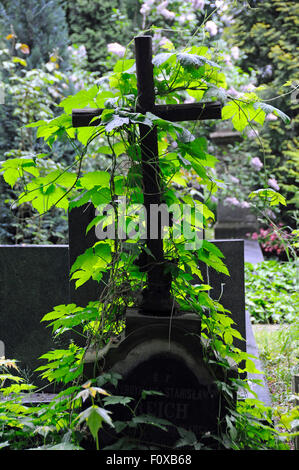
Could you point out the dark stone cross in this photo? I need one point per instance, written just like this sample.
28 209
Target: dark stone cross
156 297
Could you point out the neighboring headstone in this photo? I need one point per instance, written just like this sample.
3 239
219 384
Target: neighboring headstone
33 279
79 241
234 222
230 290
252 252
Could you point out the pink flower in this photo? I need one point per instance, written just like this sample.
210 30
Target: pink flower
211 27
254 236
252 133
168 15
232 200
117 49
271 117
273 183
256 163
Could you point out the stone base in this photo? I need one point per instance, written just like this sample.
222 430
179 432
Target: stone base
233 230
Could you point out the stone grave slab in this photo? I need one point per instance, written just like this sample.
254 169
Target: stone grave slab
33 279
164 355
234 222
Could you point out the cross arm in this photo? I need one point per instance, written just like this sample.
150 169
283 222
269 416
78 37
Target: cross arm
171 112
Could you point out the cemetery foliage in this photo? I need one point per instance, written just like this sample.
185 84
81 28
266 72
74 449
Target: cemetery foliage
271 292
178 75
272 52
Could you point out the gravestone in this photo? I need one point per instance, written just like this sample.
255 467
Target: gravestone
33 279
164 355
234 221
161 345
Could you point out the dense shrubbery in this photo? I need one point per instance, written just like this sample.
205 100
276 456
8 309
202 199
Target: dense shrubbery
271 291
267 34
38 24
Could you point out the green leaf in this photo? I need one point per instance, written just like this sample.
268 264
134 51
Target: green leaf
117 399
160 59
123 65
116 122
268 108
194 60
152 420
94 416
95 178
268 194
4 444
81 100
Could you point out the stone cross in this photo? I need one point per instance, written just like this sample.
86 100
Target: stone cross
156 297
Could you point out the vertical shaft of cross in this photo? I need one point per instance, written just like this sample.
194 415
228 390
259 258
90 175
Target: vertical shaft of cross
157 296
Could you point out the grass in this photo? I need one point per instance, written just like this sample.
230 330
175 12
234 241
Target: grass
279 350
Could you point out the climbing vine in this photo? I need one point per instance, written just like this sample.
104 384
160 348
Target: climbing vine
183 157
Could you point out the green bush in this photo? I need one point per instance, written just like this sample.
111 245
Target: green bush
40 24
267 34
271 291
94 25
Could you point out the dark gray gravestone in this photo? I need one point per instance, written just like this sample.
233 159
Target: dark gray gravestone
230 290
33 279
79 241
165 355
234 222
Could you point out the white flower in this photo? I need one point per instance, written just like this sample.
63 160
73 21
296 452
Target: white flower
234 179
211 27
245 205
235 51
232 200
198 4
189 99
169 15
220 5
273 183
227 59
190 17
162 6
117 49
249 87
145 9
252 134
256 163
227 19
